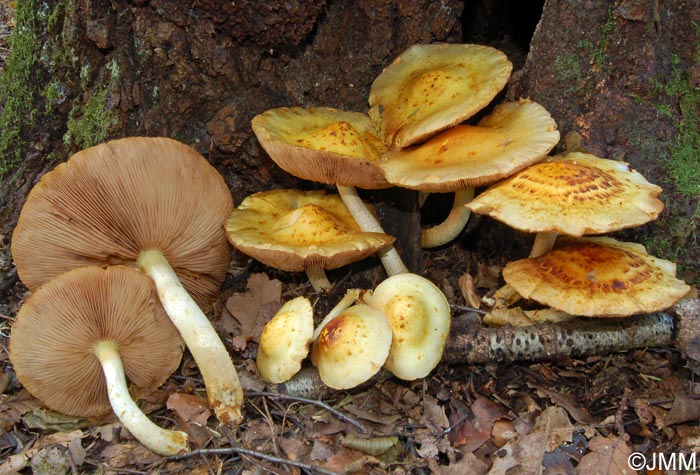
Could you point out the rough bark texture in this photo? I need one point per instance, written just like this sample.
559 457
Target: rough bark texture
199 71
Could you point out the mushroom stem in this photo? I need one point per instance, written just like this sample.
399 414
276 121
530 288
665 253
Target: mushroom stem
544 241
220 378
450 228
157 439
390 258
318 279
348 300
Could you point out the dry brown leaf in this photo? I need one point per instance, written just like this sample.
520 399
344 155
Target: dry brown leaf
469 464
608 455
293 447
192 413
514 317
487 277
248 312
684 409
526 454
19 461
468 290
567 401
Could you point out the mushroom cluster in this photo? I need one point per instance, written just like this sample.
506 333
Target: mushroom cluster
402 326
577 194
137 202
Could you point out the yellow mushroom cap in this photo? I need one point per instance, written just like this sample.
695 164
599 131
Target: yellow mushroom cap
322 144
293 230
429 88
57 328
419 315
573 194
513 136
352 347
284 342
597 277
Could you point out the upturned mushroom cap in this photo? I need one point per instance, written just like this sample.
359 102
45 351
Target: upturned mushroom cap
429 88
597 277
573 194
322 144
513 136
108 203
419 315
293 230
352 347
53 335
285 340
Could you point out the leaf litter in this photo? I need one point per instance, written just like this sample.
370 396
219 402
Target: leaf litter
571 416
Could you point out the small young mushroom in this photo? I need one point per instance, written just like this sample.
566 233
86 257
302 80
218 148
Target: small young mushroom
334 147
75 338
420 318
295 230
352 347
597 277
431 87
573 194
514 136
285 340
151 202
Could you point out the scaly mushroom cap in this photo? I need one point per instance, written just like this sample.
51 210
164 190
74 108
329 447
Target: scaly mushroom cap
597 277
322 144
429 88
293 230
573 194
419 315
53 335
352 347
513 136
284 341
108 203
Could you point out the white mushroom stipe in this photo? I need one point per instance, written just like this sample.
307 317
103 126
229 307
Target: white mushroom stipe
157 439
450 228
390 257
220 378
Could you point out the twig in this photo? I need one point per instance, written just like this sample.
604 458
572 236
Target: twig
253 453
466 308
454 425
340 415
475 344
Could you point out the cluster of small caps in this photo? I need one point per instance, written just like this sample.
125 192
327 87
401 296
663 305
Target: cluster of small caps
86 227
402 326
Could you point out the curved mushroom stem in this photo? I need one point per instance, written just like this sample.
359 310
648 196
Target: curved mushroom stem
220 378
450 228
348 300
318 279
390 258
544 241
157 439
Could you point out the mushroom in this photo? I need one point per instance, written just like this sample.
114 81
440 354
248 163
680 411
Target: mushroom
76 337
334 147
513 136
295 230
598 277
352 347
285 340
419 316
573 194
150 202
431 87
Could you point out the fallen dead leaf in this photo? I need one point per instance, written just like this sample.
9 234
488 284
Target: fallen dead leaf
192 413
468 290
247 313
608 455
684 409
19 461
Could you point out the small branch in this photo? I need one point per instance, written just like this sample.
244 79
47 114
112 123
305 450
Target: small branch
340 415
473 343
256 454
